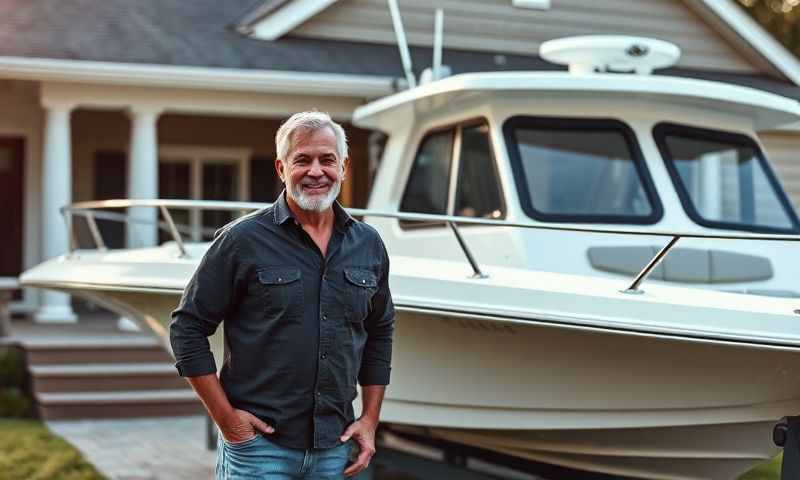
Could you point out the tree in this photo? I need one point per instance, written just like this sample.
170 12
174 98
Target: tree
779 17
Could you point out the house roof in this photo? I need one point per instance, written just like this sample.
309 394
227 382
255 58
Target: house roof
200 33
282 16
204 33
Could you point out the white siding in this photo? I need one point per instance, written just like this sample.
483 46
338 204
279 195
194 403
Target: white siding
783 150
496 26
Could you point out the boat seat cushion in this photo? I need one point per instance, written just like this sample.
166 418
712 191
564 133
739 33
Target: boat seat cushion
690 265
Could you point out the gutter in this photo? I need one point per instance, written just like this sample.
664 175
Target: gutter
154 75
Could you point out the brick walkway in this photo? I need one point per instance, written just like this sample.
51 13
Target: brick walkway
142 449
173 448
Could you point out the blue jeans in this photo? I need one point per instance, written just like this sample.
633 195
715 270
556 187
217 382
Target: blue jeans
260 458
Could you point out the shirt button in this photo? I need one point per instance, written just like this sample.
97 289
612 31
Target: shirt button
319 394
280 279
324 356
324 317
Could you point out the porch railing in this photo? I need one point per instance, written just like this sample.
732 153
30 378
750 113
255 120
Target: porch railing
90 212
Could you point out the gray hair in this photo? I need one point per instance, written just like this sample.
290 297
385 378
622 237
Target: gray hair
308 122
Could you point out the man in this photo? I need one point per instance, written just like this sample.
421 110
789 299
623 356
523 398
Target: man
303 290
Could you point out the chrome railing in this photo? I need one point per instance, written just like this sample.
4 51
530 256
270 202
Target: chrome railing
88 210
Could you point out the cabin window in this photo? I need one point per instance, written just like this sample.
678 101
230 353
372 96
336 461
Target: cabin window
724 180
579 170
478 187
426 190
432 188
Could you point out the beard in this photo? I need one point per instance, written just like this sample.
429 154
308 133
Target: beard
313 203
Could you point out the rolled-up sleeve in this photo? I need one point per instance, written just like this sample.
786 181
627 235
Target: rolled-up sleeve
379 324
207 300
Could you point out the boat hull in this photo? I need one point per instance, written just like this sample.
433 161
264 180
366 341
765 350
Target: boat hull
628 404
617 402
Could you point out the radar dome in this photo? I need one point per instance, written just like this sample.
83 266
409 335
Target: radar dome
617 53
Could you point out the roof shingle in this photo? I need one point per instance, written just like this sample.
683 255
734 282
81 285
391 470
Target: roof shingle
203 33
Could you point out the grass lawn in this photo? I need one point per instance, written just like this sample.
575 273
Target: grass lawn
28 451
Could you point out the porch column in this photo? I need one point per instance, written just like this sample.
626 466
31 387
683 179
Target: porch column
143 175
56 192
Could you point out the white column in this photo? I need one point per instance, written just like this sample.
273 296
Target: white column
142 184
56 192
143 175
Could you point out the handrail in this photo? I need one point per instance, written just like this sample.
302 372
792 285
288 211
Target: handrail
651 265
86 208
475 268
420 217
121 217
173 230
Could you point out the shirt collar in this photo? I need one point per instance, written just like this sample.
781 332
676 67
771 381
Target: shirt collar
283 214
341 218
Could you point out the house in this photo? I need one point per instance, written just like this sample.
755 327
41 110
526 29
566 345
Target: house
176 99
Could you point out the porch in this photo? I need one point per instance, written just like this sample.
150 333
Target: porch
67 142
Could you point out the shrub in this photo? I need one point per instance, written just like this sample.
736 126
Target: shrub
12 367
13 384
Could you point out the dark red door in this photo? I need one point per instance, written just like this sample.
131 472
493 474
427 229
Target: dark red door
12 152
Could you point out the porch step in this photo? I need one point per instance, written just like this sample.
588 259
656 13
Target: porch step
94 350
94 375
97 377
118 404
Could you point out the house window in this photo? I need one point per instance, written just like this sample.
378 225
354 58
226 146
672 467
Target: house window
265 185
110 179
203 173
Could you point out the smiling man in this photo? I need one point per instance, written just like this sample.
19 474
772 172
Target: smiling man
302 289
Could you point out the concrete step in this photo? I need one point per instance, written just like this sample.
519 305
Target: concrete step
119 404
101 349
95 377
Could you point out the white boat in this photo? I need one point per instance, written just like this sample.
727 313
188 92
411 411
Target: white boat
532 337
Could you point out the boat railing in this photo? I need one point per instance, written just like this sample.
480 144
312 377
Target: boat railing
90 212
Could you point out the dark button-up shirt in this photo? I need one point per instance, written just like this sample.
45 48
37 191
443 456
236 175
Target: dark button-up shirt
300 328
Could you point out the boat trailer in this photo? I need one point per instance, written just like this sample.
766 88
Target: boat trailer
786 434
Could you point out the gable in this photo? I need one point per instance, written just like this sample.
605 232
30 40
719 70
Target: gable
497 26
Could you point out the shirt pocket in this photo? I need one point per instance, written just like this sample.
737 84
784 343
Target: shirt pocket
361 285
281 289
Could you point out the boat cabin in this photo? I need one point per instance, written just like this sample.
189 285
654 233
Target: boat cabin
598 149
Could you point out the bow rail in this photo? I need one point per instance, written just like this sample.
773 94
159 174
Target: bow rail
89 211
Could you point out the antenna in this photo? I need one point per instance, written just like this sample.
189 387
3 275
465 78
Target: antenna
438 34
401 43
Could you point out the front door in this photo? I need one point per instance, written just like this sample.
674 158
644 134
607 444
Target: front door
12 151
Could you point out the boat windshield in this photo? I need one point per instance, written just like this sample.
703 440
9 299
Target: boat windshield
580 170
723 180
